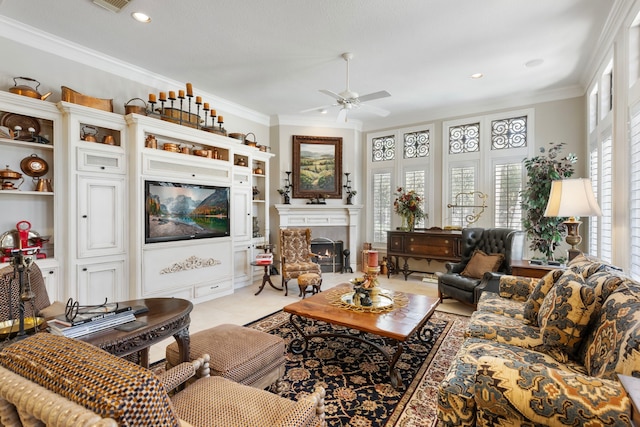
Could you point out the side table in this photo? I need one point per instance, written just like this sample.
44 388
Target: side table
166 317
526 269
266 278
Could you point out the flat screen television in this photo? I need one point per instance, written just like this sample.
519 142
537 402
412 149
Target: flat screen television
176 211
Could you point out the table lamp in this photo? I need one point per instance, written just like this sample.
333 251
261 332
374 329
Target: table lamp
572 198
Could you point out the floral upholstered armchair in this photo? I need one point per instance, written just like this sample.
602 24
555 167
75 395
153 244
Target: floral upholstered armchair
297 258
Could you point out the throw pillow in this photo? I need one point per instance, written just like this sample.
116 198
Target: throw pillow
532 306
106 384
480 263
565 313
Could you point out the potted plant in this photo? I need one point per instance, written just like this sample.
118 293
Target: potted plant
544 233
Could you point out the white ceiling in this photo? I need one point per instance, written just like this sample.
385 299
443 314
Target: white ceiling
273 56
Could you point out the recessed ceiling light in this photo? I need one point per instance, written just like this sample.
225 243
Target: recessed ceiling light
141 17
477 76
534 63
323 111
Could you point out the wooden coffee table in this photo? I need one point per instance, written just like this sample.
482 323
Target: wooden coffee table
398 324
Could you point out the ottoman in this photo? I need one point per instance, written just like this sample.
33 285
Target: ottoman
309 279
244 355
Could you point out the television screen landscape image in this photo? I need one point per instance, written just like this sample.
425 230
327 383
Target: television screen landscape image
176 211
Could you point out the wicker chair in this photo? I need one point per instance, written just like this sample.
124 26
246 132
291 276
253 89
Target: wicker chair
59 381
40 305
295 244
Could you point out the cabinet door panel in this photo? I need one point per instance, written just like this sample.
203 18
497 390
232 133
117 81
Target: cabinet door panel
99 281
100 217
241 214
241 265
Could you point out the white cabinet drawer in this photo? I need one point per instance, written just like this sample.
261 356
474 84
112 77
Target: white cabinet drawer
101 161
182 166
212 288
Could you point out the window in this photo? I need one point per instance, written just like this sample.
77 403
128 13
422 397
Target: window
593 221
463 185
508 184
381 203
401 158
384 148
485 156
601 162
606 201
416 181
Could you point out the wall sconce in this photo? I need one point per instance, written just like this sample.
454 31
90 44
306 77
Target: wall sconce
572 198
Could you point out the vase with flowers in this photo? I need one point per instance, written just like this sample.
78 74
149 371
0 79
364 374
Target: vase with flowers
408 205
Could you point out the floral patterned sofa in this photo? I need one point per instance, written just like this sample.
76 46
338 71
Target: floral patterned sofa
548 351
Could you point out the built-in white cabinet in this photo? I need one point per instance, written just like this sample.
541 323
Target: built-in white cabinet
37 136
179 157
93 214
97 204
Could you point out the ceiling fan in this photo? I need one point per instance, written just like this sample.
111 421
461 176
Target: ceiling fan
349 100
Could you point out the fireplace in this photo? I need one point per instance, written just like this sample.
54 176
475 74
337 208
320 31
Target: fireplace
336 222
328 254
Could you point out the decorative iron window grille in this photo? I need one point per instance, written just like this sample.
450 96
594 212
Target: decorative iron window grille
416 144
509 133
383 148
464 138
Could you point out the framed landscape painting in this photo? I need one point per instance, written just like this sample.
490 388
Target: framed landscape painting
317 167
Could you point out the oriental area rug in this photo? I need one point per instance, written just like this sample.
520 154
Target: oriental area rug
355 376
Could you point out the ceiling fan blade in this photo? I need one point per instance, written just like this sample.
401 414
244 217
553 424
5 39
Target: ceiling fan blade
342 115
323 107
332 94
376 110
375 95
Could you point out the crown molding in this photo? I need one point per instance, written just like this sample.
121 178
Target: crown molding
38 39
305 121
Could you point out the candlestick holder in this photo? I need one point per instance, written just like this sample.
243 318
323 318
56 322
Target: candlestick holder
348 190
181 99
152 103
189 100
284 192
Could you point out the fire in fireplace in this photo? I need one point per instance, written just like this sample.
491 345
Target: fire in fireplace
328 254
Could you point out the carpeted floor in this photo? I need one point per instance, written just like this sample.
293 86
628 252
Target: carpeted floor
356 378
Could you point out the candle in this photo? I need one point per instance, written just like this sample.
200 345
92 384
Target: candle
152 98
172 95
206 106
373 259
198 100
180 93
163 96
189 89
213 113
220 119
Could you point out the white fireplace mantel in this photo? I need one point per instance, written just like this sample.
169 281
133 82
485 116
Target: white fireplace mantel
324 216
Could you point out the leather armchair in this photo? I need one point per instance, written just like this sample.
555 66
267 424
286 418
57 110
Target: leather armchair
505 241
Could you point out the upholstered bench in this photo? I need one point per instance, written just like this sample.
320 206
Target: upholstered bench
309 279
244 355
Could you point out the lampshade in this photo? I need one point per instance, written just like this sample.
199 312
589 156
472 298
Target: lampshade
571 198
